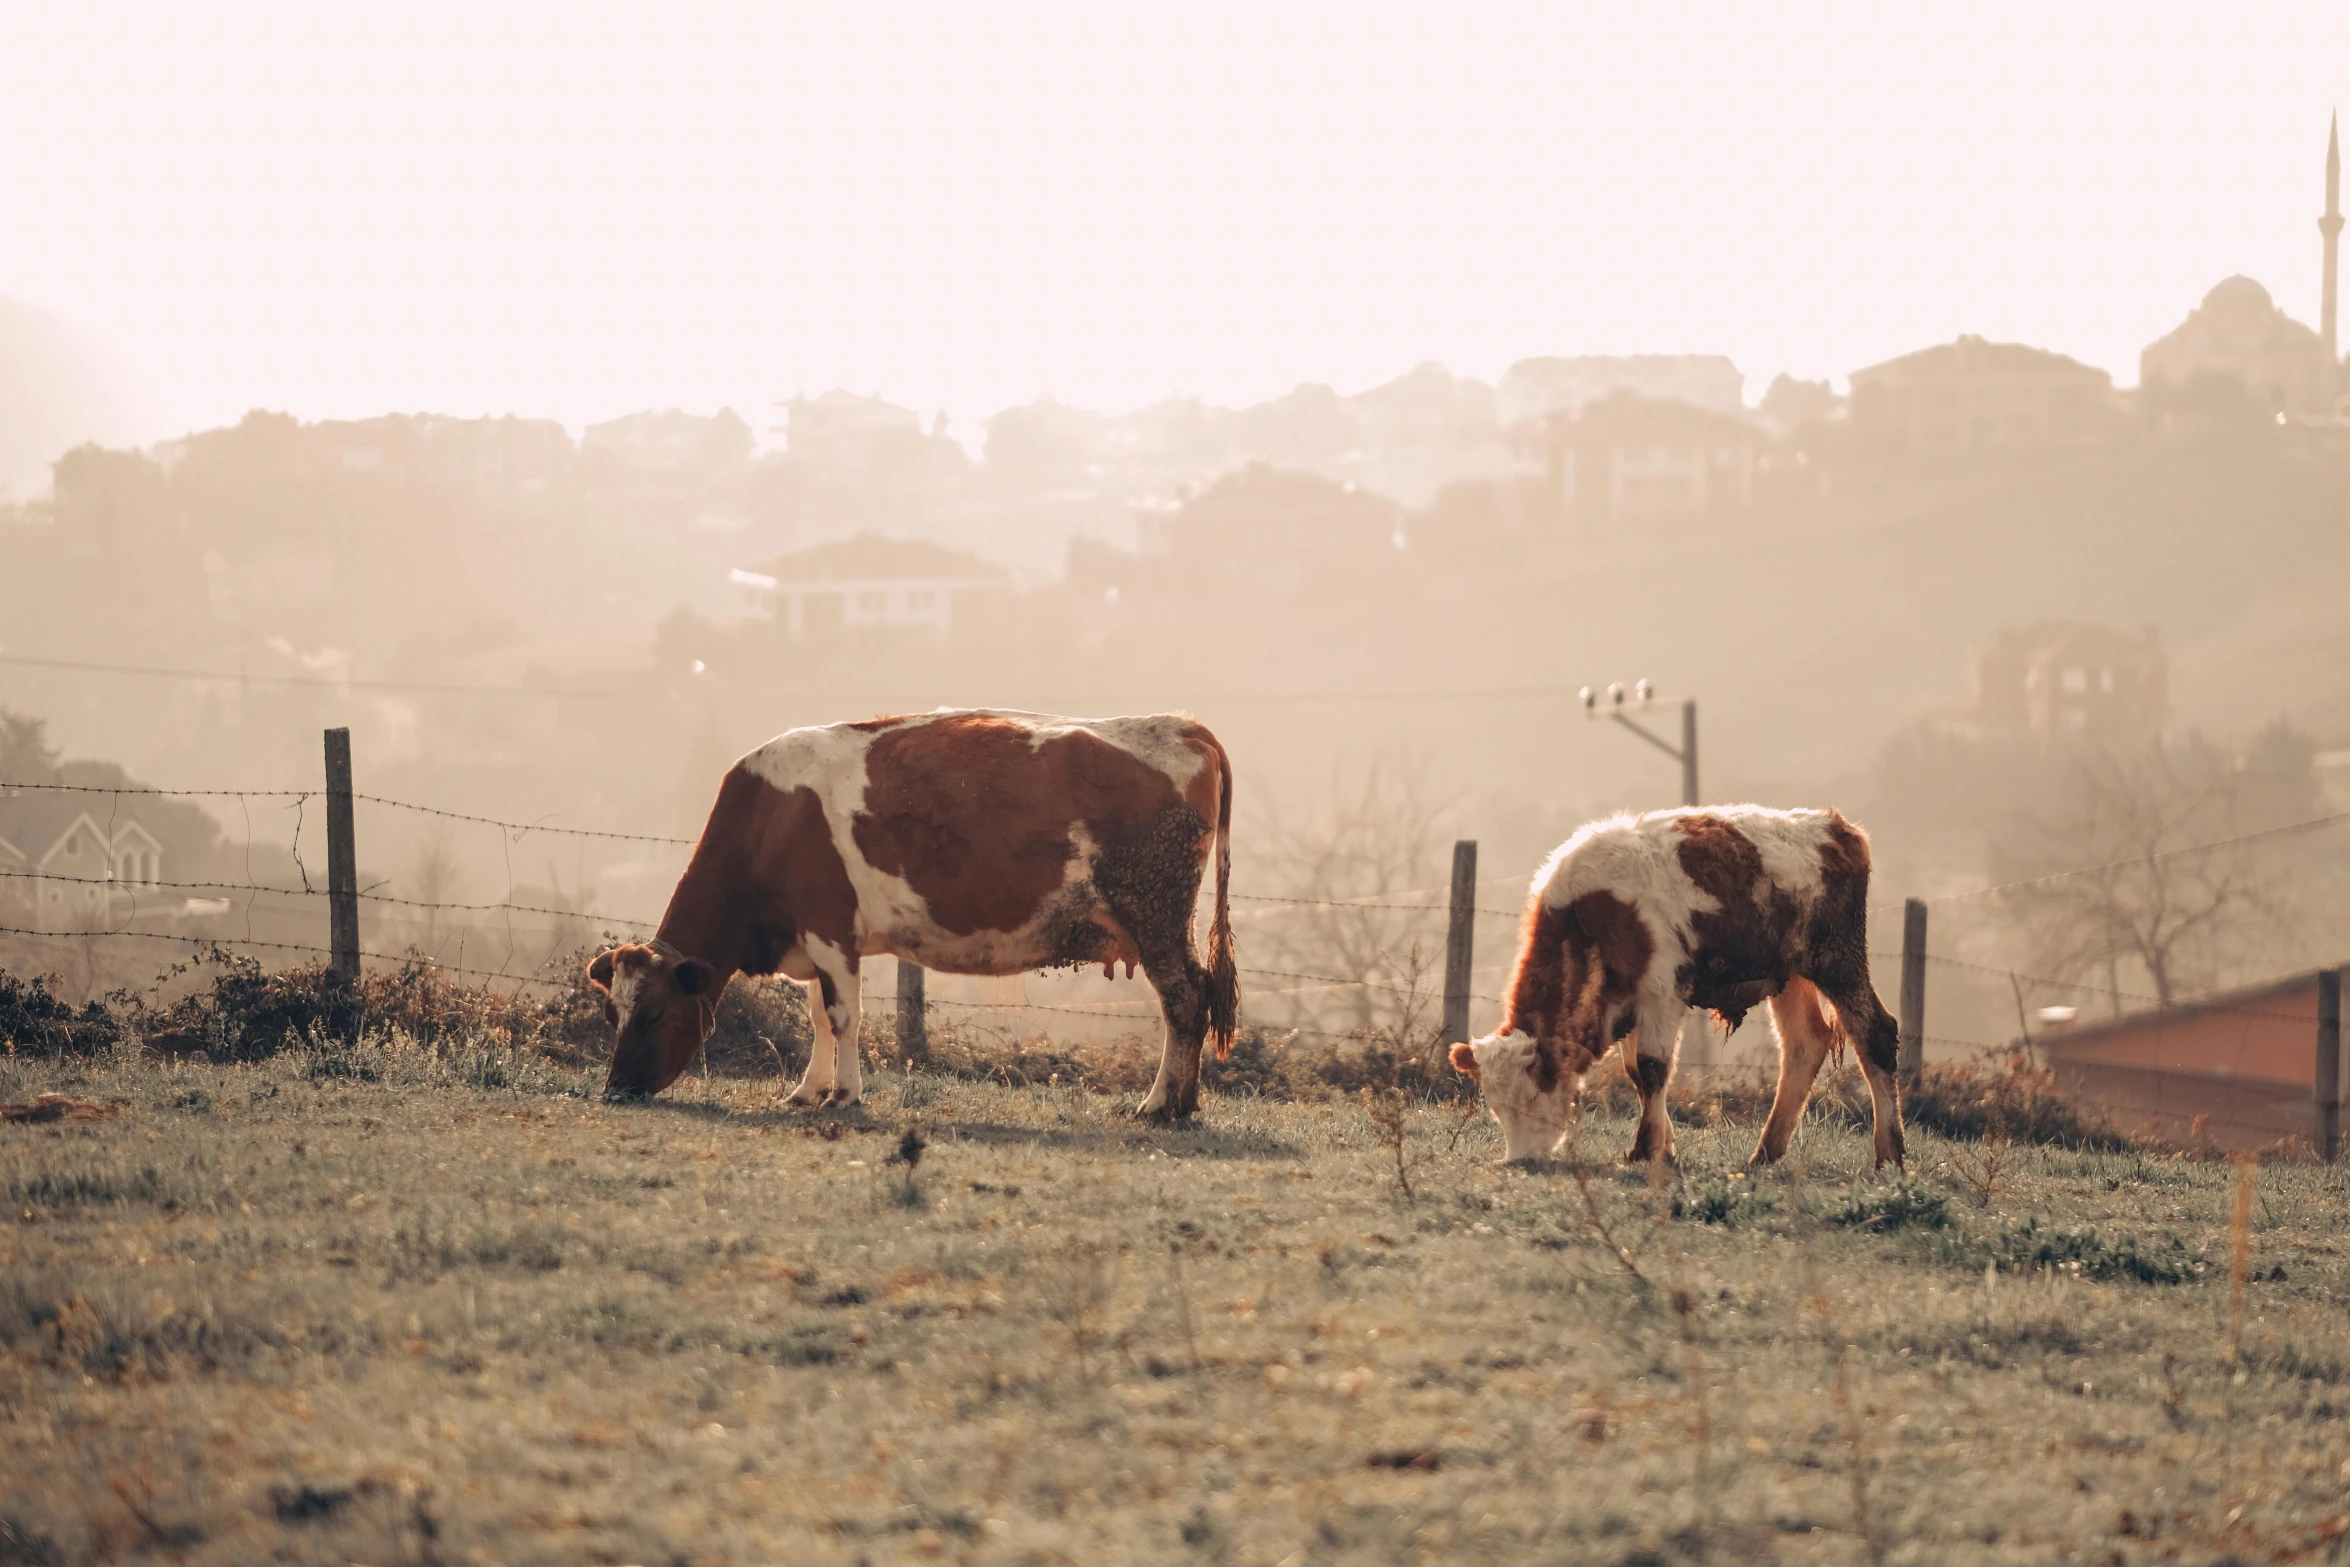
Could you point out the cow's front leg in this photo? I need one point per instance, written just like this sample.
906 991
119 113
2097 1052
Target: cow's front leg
844 1005
823 1065
1649 1063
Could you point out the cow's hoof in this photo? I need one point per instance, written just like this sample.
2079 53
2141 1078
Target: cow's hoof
1641 1156
1762 1156
842 1099
802 1099
1160 1115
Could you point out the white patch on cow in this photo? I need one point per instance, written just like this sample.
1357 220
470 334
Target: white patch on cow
1532 1122
827 758
628 982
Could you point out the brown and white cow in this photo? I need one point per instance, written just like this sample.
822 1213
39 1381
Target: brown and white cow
1636 919
970 842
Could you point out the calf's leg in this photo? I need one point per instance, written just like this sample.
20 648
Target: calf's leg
1805 1035
1876 1038
1648 1060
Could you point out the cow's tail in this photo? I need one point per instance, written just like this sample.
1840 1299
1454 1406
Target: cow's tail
1223 971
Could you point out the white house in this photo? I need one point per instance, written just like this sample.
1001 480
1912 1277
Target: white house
866 582
83 877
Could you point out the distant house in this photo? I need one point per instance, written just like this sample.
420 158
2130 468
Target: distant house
65 870
2237 1070
1274 531
1626 457
2239 336
843 433
668 441
1978 396
1534 388
867 582
2072 679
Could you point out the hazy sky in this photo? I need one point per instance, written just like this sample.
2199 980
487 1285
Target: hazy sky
578 210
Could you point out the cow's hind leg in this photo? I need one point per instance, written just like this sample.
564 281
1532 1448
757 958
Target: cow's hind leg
1805 1034
1648 1061
1183 1000
823 1064
1876 1038
1151 890
1182 986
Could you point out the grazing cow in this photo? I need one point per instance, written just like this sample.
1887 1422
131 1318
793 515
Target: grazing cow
969 842
1636 919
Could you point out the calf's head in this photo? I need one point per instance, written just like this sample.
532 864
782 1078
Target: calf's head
662 1006
1574 995
1508 1067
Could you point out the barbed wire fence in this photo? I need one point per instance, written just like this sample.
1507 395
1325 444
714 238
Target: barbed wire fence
2216 1060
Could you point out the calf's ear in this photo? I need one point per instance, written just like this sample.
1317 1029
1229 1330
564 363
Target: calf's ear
600 972
694 976
1464 1060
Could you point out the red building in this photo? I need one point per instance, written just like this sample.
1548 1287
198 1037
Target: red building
2239 1070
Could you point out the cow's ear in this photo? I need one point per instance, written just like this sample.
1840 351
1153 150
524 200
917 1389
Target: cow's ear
1464 1060
600 972
694 976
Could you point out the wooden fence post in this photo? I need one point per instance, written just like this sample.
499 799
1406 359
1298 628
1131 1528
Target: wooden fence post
913 1011
2329 1064
342 860
1913 989
1460 941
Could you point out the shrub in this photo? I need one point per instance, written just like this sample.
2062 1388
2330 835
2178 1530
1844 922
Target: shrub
1903 1205
2013 1099
2029 1245
1724 1202
34 1022
249 1013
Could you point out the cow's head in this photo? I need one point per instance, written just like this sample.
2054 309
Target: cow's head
1508 1067
662 1005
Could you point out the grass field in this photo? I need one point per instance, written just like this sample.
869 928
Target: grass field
384 1305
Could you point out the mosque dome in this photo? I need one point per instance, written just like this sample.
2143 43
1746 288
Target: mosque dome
2239 296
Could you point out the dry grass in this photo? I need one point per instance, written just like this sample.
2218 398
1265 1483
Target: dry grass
398 1303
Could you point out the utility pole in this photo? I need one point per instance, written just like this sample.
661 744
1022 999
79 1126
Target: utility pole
1685 753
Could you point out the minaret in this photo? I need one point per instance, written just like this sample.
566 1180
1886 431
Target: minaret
2331 227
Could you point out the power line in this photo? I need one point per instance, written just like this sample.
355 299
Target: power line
306 682
459 688
142 789
520 829
2286 831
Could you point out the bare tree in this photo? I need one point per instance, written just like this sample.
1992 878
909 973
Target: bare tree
1365 878
2114 879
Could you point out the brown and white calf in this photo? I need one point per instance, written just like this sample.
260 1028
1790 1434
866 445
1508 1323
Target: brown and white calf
1636 919
971 843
